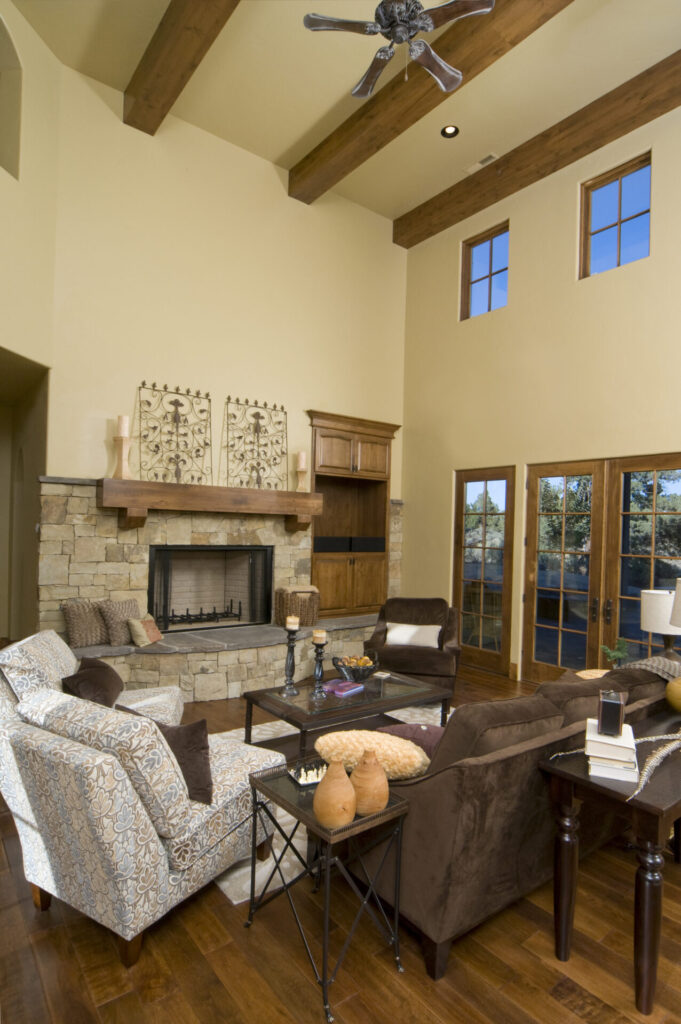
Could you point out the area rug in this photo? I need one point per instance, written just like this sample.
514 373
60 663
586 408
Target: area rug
236 881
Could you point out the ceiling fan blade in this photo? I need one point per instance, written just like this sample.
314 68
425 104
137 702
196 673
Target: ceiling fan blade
321 23
366 84
447 77
452 10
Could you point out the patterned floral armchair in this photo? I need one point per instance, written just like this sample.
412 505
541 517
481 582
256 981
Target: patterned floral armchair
100 804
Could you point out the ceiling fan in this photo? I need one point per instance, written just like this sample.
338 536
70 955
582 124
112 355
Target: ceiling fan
399 21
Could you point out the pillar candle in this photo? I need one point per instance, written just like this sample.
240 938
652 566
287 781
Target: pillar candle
123 426
292 622
302 460
318 636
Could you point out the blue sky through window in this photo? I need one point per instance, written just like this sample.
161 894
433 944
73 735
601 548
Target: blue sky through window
489 274
619 226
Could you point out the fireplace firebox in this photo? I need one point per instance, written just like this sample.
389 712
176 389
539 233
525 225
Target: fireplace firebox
196 586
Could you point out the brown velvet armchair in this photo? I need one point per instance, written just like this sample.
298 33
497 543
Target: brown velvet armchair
437 666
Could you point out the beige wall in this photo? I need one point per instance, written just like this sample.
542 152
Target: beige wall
569 369
180 259
28 204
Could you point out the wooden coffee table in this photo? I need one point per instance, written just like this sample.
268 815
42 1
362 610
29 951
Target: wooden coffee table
382 692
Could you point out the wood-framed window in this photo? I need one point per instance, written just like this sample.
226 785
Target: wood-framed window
615 222
484 281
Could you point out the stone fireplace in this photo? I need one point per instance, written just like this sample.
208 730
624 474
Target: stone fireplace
86 552
89 551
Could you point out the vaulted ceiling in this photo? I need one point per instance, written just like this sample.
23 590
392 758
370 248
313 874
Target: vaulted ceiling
545 82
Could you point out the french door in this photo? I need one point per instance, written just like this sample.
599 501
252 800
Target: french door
598 533
563 568
483 562
646 492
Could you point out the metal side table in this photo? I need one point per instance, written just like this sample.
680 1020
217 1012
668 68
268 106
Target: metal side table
277 786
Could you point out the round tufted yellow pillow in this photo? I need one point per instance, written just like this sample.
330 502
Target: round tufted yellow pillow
673 693
401 758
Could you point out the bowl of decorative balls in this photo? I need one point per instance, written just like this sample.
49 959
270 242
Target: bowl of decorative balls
356 668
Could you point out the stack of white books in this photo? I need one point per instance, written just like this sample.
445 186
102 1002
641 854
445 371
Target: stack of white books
611 757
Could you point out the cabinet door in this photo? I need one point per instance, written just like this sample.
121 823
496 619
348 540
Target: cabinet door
372 457
368 582
334 452
332 575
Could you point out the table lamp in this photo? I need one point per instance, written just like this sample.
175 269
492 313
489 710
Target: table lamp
657 616
675 617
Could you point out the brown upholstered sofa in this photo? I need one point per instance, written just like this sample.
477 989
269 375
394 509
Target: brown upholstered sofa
480 828
434 665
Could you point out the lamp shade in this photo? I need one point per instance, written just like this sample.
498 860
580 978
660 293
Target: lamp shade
656 611
675 617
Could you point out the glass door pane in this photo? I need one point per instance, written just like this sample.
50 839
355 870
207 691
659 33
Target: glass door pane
483 539
648 537
563 569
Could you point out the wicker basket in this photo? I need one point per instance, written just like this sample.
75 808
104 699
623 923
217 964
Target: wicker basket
302 601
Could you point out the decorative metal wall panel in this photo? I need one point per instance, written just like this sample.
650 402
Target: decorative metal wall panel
254 446
175 435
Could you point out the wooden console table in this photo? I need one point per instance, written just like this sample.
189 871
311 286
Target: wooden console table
651 814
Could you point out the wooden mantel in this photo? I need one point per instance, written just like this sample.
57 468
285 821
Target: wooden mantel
134 498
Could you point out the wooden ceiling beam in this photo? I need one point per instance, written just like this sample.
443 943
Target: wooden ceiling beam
654 92
184 35
471 45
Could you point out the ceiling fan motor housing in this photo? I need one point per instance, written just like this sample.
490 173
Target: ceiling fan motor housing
401 20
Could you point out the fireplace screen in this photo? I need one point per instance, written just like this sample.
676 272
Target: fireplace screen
202 586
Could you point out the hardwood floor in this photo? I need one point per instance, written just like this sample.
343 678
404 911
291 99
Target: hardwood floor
199 965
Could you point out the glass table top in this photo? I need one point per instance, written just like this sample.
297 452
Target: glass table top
277 784
379 687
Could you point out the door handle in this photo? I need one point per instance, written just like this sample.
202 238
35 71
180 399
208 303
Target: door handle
607 612
594 609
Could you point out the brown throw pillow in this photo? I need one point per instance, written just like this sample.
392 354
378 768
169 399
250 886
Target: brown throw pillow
95 681
425 736
189 744
85 626
116 615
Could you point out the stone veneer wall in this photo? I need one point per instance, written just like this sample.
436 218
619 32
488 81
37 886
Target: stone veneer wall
214 675
395 549
85 554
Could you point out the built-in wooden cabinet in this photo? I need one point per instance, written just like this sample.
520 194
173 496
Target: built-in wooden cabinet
351 468
342 454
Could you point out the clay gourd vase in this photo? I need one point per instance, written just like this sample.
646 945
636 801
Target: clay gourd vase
370 784
334 799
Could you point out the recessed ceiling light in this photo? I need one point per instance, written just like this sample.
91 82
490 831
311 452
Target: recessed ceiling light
450 131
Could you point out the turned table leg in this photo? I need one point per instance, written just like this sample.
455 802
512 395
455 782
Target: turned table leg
566 853
647 921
